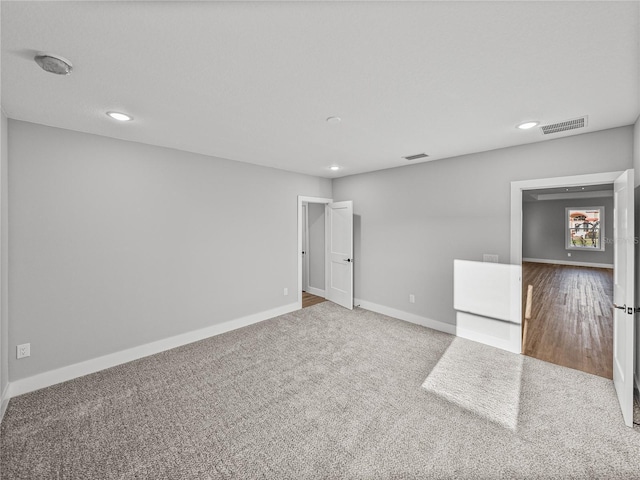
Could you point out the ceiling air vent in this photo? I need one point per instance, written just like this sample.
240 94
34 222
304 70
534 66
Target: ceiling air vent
564 126
416 156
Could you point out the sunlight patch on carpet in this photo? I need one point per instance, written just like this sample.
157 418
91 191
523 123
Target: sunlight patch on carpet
479 378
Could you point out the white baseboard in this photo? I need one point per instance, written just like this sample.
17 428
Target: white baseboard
567 262
4 401
316 291
93 365
406 316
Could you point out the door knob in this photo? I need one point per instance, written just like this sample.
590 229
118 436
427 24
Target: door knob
624 307
346 260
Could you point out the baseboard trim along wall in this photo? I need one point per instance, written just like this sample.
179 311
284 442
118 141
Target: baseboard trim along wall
316 291
567 262
46 379
4 401
406 316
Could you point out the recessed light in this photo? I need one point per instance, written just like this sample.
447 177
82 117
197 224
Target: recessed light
334 120
335 168
121 117
528 125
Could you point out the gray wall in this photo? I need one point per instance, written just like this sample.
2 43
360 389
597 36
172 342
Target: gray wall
4 318
115 244
543 231
412 222
316 245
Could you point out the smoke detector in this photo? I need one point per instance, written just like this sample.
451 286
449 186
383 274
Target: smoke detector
53 64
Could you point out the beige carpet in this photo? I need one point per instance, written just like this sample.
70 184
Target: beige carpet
481 379
318 393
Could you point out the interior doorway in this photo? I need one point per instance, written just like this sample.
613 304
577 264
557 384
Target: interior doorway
338 250
624 309
311 206
567 276
313 253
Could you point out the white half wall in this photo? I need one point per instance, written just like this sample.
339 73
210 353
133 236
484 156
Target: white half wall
117 244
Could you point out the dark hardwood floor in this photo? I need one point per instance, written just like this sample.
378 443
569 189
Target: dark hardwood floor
309 300
571 321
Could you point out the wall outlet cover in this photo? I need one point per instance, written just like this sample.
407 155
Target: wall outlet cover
490 257
23 350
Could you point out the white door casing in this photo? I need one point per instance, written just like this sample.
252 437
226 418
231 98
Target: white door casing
623 293
305 247
301 201
339 259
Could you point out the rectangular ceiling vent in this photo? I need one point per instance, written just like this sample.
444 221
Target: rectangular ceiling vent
564 126
416 156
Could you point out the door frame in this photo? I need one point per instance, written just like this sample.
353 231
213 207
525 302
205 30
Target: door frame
302 199
305 246
517 187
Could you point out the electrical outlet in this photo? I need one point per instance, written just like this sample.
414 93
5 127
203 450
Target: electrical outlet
286 291
490 257
412 298
23 350
568 254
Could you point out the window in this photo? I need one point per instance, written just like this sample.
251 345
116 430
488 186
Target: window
585 228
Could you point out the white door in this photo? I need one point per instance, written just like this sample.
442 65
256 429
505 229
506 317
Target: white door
623 293
339 261
305 248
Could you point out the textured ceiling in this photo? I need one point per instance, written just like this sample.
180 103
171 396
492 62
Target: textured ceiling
255 82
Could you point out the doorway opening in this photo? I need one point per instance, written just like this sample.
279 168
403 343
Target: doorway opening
310 207
623 237
567 277
313 254
338 250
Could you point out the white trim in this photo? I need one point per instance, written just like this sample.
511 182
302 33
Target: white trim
305 246
4 401
301 200
316 291
567 262
93 365
406 316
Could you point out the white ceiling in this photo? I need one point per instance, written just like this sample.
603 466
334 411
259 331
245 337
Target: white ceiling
255 82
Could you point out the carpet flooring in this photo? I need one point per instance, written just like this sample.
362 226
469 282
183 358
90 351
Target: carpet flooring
320 393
